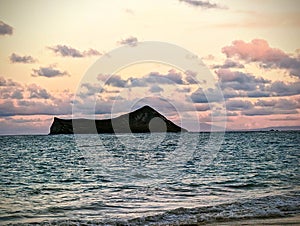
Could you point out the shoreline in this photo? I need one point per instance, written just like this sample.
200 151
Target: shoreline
289 220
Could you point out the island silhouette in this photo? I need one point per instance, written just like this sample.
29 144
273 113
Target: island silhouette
142 120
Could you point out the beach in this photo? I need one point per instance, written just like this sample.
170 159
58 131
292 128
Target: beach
291 220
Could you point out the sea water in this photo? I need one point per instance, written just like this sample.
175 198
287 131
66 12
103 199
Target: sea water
148 179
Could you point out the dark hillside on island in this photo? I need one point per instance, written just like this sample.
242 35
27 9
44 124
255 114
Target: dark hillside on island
143 120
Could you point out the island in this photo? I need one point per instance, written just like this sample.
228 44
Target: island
143 120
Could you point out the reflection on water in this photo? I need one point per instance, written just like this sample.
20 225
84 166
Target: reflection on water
113 178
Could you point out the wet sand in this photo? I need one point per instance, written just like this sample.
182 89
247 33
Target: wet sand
292 220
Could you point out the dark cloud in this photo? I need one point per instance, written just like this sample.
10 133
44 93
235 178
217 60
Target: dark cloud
236 84
113 80
280 88
49 72
258 93
67 51
222 113
136 82
283 104
38 92
172 77
184 90
22 99
238 105
17 94
25 120
231 93
239 81
287 118
90 89
25 107
156 89
10 89
13 90
202 4
240 84
191 77
267 111
258 50
5 29
206 96
131 41
91 52
229 64
7 82
272 107
14 58
116 81
202 107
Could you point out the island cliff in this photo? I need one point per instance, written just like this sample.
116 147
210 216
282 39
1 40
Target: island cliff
143 120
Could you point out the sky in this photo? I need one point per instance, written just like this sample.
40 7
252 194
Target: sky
251 51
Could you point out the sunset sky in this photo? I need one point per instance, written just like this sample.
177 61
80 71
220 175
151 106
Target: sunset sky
251 48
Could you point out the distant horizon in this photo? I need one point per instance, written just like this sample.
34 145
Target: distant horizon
244 59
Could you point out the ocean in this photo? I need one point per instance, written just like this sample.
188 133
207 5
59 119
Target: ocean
148 179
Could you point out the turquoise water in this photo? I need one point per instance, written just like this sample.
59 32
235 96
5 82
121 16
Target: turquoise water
146 179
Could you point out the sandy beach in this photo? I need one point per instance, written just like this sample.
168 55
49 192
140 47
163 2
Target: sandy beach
292 220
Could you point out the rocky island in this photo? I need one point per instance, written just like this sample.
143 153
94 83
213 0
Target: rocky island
143 120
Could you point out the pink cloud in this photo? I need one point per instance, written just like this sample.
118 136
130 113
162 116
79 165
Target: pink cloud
258 50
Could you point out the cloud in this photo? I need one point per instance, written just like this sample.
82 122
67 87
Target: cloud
229 64
283 104
240 84
238 105
267 111
235 84
258 50
116 81
240 81
136 82
280 88
48 72
90 89
191 78
287 118
26 107
14 58
272 107
10 89
23 99
14 90
184 90
202 107
113 80
202 4
67 51
5 29
7 82
206 96
172 77
38 92
156 89
91 52
131 41
26 125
